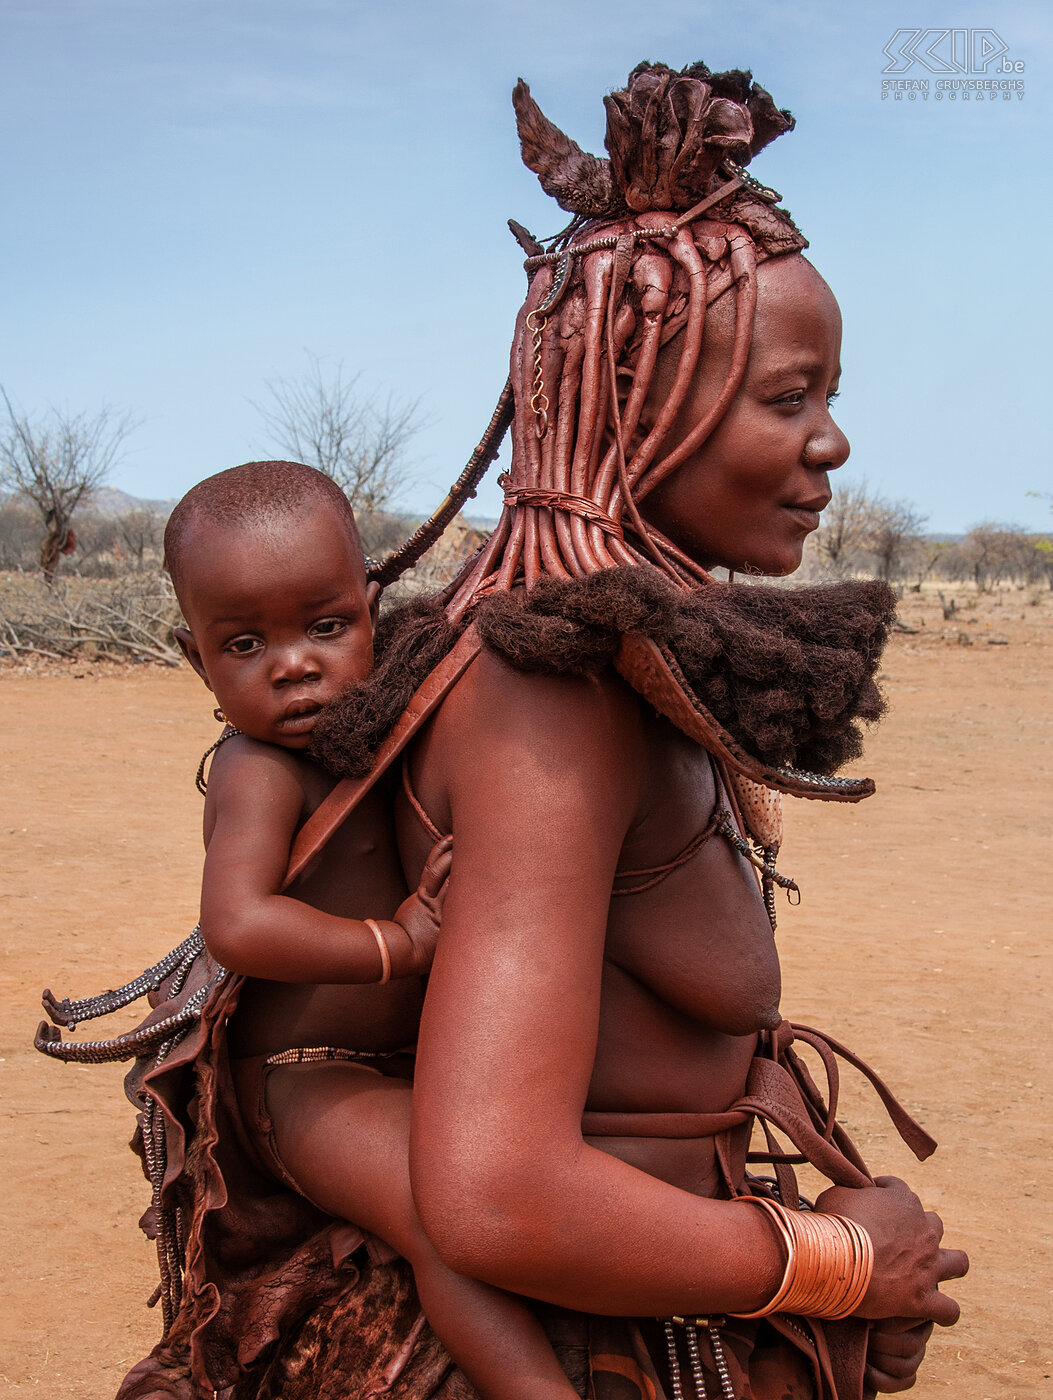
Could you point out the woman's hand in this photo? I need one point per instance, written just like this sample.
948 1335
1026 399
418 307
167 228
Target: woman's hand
895 1350
419 916
909 1264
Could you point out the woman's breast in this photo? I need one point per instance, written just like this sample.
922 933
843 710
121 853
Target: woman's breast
691 975
701 942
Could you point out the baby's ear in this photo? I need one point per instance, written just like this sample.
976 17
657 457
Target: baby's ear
189 648
374 592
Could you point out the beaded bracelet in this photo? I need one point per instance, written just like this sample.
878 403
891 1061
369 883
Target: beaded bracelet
829 1263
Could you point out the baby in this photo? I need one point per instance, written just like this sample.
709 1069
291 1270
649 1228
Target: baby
269 572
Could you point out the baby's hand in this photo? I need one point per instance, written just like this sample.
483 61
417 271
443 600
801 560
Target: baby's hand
895 1350
420 915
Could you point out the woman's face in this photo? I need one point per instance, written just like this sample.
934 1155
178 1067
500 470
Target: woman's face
752 493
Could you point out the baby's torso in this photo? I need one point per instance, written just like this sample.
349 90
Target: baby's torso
357 875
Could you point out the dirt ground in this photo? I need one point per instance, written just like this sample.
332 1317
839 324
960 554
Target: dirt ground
922 941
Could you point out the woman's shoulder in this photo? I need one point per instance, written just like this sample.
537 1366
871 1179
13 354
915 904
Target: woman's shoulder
501 697
501 725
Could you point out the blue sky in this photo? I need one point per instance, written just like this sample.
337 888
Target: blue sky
197 192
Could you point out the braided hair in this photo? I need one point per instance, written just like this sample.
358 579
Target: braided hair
661 228
664 226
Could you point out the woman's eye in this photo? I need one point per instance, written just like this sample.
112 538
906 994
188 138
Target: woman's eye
833 394
793 400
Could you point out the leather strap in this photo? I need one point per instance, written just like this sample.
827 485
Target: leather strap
595 1123
329 815
781 1092
652 671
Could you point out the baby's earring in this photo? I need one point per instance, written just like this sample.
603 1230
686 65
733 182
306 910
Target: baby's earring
218 713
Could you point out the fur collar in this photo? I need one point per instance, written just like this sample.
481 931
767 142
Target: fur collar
788 672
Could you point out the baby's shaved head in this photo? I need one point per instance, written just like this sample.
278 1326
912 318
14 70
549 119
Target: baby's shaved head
255 495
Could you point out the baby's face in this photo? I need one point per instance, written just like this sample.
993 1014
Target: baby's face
280 620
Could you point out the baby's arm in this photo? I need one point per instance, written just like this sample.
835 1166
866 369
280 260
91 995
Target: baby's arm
256 802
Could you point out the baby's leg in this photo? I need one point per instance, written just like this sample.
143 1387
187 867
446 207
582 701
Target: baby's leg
342 1132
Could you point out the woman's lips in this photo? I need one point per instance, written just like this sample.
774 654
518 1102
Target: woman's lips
805 516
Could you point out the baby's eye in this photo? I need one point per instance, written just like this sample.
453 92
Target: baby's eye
328 627
242 646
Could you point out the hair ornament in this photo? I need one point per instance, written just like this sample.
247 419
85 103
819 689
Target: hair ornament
668 134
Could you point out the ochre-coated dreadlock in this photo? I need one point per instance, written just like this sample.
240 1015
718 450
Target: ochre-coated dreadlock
667 224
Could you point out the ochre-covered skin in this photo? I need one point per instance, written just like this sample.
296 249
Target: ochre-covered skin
547 999
671 408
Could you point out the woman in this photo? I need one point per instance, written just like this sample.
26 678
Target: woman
587 1065
604 730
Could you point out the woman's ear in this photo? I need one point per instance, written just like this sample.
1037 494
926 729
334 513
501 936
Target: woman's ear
374 592
189 648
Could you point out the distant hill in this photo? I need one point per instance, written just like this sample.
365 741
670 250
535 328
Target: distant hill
108 500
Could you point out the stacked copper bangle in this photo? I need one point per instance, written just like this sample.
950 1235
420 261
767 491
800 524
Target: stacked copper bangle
829 1263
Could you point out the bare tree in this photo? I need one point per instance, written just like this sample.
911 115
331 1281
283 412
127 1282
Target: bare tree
893 535
843 532
140 533
358 439
55 464
925 557
991 552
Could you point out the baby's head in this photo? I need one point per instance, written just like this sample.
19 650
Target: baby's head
268 569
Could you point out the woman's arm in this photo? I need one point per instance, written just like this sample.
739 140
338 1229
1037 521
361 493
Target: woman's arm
543 778
256 802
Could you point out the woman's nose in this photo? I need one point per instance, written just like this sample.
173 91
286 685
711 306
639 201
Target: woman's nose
828 447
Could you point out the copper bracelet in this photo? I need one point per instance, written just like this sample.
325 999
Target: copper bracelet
829 1263
384 950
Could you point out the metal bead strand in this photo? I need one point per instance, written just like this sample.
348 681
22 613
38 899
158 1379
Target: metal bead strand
721 1364
536 323
696 1361
674 1361
768 889
69 1013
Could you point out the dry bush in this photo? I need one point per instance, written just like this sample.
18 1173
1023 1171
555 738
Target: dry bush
993 553
440 565
19 534
124 619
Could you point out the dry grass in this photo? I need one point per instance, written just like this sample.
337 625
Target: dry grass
124 619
